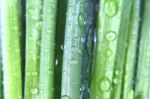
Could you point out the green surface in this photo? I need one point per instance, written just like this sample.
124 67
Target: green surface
1 73
61 21
131 54
10 25
143 72
33 36
47 56
112 34
73 46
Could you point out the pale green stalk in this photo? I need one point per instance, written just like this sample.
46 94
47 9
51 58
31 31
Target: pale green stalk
71 73
33 36
11 57
112 33
47 56
143 69
131 55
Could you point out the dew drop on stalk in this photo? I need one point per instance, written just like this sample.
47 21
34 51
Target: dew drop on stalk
34 73
41 91
111 7
47 50
38 43
38 25
110 36
16 1
83 39
50 72
34 90
65 97
34 58
117 72
104 84
48 10
116 80
64 72
108 52
56 62
30 10
49 31
62 47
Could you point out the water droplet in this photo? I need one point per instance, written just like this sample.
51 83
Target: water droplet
116 80
111 7
30 10
38 25
34 58
62 47
110 36
65 97
50 72
48 10
117 72
83 39
65 72
38 43
47 50
16 1
41 91
130 94
108 52
56 62
34 73
49 31
104 84
34 90
80 20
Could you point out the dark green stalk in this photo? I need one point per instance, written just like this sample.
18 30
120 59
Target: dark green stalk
71 73
33 34
47 56
112 33
1 76
131 54
11 54
143 70
1 73
61 21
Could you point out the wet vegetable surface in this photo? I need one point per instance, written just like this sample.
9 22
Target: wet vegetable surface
74 49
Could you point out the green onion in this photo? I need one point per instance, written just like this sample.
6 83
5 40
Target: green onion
129 69
33 36
71 73
112 33
11 57
47 56
121 50
143 72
